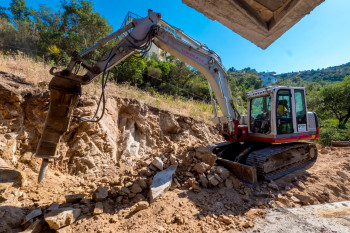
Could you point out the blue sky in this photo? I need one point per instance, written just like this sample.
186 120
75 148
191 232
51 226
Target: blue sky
321 39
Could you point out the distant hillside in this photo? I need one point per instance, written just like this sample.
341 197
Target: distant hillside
330 74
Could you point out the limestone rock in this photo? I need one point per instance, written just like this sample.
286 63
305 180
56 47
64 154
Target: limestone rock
139 197
168 123
136 188
142 183
158 163
100 194
33 214
229 183
98 208
225 219
54 206
212 180
172 159
64 230
204 180
342 175
145 171
74 198
223 172
305 200
205 155
218 178
124 191
300 185
324 151
273 186
35 227
295 199
141 206
57 219
162 182
236 182
201 167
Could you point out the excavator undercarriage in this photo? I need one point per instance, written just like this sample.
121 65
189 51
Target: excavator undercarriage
251 161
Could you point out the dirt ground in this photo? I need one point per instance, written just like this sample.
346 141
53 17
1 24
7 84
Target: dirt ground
116 156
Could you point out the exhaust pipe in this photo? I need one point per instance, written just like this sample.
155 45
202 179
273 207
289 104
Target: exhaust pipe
64 95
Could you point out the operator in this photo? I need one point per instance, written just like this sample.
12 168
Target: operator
281 109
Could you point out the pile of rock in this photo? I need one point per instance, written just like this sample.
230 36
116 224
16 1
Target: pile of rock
204 172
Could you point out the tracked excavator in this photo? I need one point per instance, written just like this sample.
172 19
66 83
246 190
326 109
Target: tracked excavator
268 142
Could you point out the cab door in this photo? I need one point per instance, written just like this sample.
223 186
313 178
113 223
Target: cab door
284 113
300 111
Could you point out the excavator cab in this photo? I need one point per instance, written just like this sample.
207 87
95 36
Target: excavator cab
277 125
279 114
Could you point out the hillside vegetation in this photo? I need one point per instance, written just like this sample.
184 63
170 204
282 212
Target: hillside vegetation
47 37
330 74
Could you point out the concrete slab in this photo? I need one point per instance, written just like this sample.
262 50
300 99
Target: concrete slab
330 217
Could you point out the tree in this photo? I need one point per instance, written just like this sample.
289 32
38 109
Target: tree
3 14
336 99
20 12
82 27
130 70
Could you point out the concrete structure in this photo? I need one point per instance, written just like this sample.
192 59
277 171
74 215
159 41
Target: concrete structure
260 21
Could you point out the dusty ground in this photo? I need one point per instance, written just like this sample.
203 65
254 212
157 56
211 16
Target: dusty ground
116 153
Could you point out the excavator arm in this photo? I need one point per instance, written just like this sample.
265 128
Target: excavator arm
137 36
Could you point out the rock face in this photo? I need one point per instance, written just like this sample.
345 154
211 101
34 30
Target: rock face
162 182
130 131
57 219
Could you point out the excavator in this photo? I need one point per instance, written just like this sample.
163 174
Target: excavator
267 143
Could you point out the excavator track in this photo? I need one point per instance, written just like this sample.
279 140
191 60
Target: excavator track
279 160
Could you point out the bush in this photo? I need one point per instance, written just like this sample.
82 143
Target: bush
330 132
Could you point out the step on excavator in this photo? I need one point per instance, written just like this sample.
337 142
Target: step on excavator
266 143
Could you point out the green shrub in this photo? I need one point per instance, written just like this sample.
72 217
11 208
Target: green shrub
330 132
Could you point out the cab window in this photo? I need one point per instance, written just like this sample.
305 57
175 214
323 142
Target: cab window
284 112
260 115
300 110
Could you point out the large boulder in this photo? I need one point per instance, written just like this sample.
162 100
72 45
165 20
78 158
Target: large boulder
162 182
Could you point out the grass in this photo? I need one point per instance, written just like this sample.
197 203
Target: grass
37 70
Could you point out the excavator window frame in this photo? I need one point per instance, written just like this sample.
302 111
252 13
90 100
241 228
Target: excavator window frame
289 126
261 124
